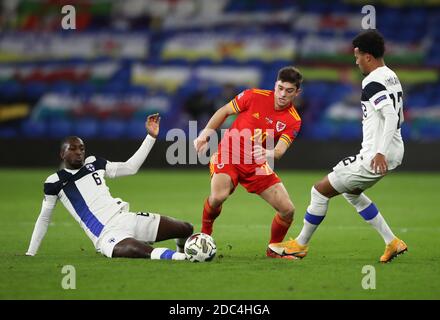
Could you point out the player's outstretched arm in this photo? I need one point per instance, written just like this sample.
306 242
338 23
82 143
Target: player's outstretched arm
214 123
41 225
132 165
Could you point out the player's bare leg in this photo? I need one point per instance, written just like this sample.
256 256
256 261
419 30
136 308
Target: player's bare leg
221 188
320 195
170 228
325 188
278 197
132 248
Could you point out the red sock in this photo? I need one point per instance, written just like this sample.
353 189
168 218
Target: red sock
209 215
279 228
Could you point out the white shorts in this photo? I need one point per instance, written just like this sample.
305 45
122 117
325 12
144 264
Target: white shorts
140 226
349 174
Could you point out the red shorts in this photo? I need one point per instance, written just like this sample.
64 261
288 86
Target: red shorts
254 177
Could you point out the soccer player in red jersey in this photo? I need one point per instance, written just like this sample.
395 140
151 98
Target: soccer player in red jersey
263 116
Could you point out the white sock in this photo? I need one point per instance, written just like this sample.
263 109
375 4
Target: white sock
306 233
316 212
381 226
371 214
166 254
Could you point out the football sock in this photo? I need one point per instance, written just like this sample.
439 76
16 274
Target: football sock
209 215
166 254
371 214
279 228
315 213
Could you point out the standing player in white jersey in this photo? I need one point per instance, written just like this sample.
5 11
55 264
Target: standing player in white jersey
114 231
382 151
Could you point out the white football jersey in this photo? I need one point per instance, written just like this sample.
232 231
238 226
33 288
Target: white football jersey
85 194
379 88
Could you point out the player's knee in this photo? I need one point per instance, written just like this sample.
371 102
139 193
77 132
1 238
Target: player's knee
360 201
216 199
324 188
188 229
287 210
318 202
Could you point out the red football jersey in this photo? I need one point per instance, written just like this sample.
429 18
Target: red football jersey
257 115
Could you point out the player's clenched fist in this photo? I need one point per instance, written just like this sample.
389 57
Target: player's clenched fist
152 125
200 144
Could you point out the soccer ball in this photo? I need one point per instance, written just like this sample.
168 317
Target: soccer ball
200 247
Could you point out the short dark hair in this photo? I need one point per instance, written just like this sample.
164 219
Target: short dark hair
371 42
290 74
66 141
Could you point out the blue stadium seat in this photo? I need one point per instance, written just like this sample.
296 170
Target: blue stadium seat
323 130
85 89
87 128
417 101
112 129
35 90
429 130
59 128
10 90
350 131
136 129
62 87
8 132
33 129
316 7
406 131
113 88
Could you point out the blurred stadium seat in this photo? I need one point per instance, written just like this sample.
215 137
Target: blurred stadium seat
103 78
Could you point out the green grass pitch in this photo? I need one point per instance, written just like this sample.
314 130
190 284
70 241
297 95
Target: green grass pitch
341 247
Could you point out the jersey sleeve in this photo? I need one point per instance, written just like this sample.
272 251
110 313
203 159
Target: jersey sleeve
132 165
242 101
52 186
376 93
42 223
289 134
111 168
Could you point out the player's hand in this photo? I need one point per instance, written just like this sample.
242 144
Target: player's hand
201 144
379 164
261 154
152 125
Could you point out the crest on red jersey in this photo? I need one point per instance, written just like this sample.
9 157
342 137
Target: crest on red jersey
280 126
